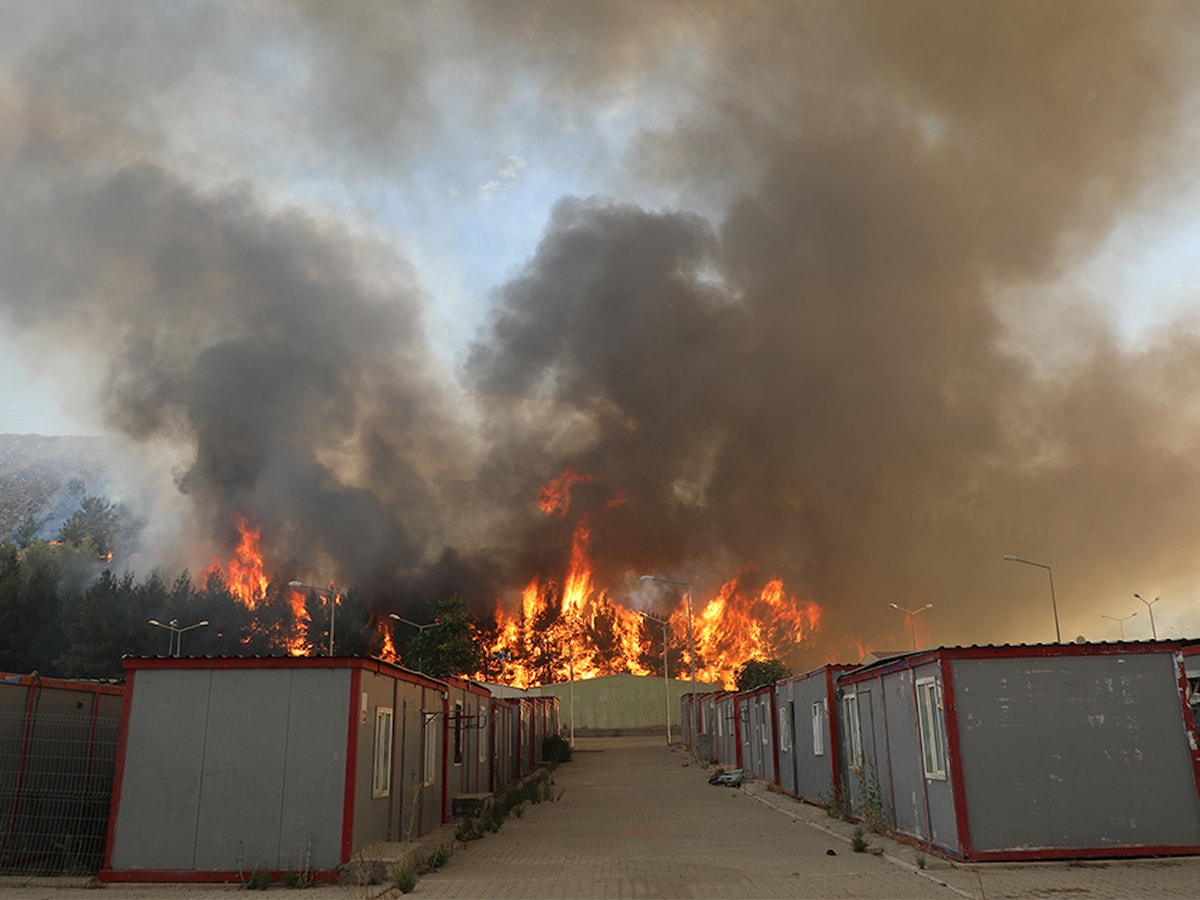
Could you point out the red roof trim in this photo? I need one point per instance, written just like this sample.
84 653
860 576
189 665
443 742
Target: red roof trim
63 684
1006 651
466 684
816 673
379 666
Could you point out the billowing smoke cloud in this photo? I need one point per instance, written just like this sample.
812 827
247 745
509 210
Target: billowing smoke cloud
844 355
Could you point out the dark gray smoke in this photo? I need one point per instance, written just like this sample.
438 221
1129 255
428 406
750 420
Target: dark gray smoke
845 353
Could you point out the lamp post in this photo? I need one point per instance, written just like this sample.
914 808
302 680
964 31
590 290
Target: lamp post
416 625
691 652
666 680
1053 602
175 641
912 618
333 598
1120 620
1150 606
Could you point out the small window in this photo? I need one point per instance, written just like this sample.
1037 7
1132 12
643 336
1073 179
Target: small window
785 731
431 755
764 723
381 766
483 735
933 739
818 728
853 730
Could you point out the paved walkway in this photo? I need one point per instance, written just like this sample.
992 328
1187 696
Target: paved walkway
633 819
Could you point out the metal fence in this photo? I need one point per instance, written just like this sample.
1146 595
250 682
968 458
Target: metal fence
56 776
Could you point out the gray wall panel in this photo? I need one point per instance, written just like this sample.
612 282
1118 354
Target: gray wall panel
725 744
787 726
806 773
155 827
1075 752
242 782
862 779
906 794
370 813
314 767
942 825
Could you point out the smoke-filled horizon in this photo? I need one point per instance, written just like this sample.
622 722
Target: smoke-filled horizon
794 287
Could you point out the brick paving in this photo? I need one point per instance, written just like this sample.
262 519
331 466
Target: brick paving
634 821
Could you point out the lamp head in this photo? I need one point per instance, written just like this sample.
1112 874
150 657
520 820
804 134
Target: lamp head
295 584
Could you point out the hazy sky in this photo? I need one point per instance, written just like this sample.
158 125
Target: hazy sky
858 295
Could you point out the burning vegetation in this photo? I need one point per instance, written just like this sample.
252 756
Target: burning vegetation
568 625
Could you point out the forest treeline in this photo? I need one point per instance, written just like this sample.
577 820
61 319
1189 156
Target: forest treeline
67 610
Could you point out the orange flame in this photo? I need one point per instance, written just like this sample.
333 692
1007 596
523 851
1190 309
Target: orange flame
388 651
554 498
736 626
246 579
244 574
574 630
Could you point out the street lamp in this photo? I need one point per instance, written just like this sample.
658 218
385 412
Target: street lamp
333 598
1150 606
1054 603
691 652
912 618
1120 620
175 641
666 681
420 630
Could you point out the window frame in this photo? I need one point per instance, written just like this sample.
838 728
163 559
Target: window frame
933 735
381 755
854 746
430 762
818 728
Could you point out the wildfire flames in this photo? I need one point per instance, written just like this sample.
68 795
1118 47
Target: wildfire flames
573 629
246 579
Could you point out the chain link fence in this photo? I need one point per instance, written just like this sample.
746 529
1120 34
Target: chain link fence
56 777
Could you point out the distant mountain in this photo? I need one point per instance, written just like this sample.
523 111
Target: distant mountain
35 471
